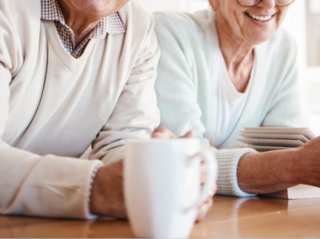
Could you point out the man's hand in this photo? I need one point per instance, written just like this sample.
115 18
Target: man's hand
204 208
107 196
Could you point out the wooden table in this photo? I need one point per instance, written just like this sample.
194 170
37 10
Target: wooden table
229 217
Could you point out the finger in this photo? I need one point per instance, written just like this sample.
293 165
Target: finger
189 134
206 205
162 133
203 210
203 173
213 190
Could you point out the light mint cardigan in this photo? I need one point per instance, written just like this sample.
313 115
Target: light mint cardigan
187 80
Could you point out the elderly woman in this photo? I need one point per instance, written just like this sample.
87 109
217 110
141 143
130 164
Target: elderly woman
231 67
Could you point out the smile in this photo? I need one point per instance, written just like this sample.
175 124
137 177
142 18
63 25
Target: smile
260 18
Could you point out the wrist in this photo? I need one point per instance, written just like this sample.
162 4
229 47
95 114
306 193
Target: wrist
288 166
107 196
93 176
271 171
95 195
296 170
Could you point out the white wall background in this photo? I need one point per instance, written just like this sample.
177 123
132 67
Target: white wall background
160 5
180 5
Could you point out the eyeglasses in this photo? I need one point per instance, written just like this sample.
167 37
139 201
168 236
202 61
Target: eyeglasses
251 3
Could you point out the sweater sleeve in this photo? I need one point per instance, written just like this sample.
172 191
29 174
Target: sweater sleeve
136 113
48 186
177 98
37 185
228 161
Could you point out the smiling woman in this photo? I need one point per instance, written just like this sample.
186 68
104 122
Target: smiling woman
247 24
234 67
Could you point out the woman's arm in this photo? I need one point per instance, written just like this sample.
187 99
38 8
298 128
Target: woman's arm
277 170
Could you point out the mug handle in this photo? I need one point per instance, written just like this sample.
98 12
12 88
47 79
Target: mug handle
211 176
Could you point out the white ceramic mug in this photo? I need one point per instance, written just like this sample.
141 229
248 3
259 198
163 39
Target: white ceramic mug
162 185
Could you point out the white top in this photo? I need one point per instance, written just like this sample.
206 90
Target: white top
230 103
187 87
53 106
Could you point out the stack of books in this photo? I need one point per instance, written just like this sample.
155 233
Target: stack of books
272 138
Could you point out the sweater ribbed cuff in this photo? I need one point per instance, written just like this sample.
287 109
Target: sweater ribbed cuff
90 215
228 160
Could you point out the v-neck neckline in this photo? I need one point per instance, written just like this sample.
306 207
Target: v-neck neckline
69 60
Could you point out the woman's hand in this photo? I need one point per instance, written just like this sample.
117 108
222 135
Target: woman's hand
166 133
276 170
204 208
308 163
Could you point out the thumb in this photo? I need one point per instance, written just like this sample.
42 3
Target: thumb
189 134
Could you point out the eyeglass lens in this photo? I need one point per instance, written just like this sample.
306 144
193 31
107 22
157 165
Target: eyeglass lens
249 3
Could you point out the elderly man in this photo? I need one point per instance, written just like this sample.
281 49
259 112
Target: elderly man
72 73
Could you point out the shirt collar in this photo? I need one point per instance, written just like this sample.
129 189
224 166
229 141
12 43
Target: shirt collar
113 24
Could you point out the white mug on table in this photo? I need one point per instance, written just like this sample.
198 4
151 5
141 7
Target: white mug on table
162 185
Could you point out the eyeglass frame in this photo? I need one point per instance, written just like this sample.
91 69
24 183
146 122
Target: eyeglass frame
258 1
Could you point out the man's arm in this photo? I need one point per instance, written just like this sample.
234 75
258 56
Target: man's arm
134 117
37 185
136 113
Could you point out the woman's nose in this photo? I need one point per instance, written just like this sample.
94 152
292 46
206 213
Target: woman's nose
268 3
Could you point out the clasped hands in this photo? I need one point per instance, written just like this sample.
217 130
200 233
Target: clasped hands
107 196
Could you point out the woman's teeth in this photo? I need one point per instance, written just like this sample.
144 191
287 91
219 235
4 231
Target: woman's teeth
260 18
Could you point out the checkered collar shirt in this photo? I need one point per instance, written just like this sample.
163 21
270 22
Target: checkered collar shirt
51 11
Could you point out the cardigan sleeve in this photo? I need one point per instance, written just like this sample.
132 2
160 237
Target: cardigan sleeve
175 86
286 108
